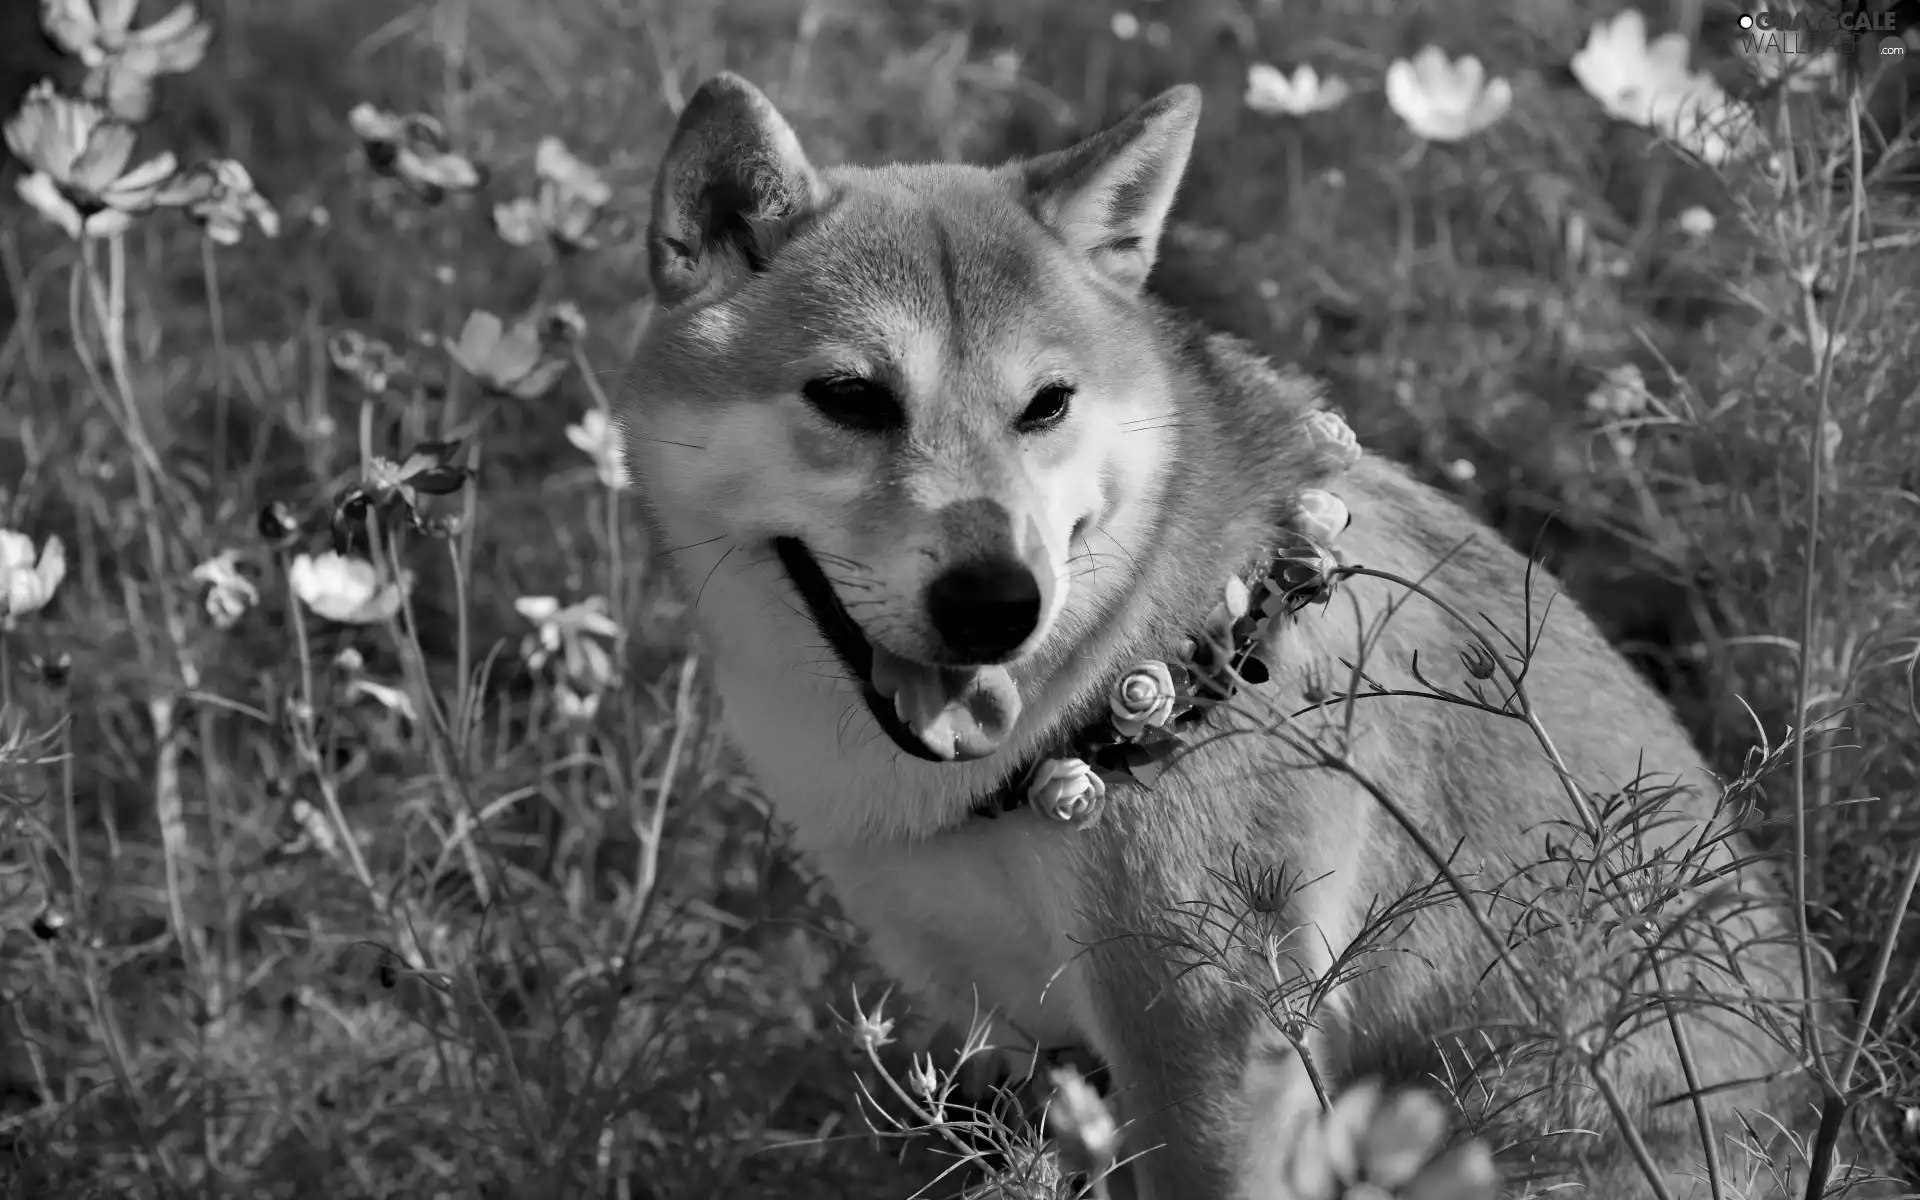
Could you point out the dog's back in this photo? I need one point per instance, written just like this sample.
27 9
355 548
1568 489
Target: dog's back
1578 916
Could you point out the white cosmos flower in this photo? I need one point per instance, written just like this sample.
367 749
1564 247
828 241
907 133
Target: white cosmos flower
414 148
1697 221
567 206
219 196
229 593
1446 100
77 155
27 582
570 637
1273 92
1647 83
599 439
511 360
122 62
347 590
1621 393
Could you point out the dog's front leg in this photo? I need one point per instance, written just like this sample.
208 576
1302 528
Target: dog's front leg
1206 1092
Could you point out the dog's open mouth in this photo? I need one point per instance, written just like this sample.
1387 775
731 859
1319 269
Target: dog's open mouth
941 714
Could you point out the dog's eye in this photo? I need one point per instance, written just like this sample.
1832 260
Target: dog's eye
857 404
1049 408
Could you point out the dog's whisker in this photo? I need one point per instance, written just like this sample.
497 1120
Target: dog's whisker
1120 546
694 545
828 557
1177 412
669 442
709 576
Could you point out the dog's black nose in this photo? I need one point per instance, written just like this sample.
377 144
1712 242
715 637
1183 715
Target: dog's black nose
983 610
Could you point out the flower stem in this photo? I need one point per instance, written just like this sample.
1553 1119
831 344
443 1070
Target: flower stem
463 718
222 378
110 311
329 791
616 568
366 435
69 811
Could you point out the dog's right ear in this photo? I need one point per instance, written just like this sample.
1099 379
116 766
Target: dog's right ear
732 183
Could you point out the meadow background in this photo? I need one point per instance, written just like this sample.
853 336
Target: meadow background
568 954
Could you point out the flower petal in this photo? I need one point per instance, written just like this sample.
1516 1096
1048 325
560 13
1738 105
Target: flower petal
71 25
1345 1125
265 215
553 161
123 87
71 126
449 172
1268 89
106 223
40 191
479 339
116 16
139 189
592 620
108 148
169 27
52 567
373 124
1494 104
518 222
537 608
16 551
1405 96
31 131
519 350
173 45
1465 1173
1402 1136
540 380
1468 76
1666 56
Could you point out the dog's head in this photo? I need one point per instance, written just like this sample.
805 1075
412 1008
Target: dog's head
932 392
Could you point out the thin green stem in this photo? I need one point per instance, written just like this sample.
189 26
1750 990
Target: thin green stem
222 373
69 810
1827 1137
110 311
463 717
323 776
1803 675
366 435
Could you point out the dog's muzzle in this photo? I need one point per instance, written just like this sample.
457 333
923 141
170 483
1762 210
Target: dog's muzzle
936 713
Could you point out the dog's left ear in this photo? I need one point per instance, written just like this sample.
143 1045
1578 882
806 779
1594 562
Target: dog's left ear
731 187
1108 196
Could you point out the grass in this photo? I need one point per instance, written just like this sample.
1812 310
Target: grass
565 957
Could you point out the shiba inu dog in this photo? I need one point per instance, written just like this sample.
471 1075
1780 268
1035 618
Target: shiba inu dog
936 470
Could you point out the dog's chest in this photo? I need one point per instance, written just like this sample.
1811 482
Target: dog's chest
987 917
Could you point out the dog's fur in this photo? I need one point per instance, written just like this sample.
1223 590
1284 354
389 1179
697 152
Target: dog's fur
965 291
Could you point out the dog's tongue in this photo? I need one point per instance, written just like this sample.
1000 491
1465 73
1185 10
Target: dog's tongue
958 713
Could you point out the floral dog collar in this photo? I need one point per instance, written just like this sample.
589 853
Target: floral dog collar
1154 704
